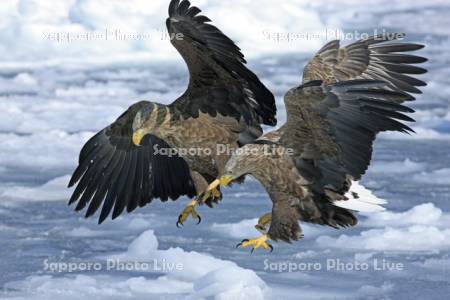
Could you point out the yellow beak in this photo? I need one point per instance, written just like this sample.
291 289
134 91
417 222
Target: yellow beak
137 137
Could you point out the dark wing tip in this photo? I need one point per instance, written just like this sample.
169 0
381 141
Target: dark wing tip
218 52
184 9
173 7
71 183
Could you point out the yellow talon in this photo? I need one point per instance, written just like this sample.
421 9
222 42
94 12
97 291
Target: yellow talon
256 243
214 194
189 210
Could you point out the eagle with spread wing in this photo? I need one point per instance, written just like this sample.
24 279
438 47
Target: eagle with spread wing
120 168
307 166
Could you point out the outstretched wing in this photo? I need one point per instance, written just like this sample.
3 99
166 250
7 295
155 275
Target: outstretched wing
115 172
219 80
377 58
332 128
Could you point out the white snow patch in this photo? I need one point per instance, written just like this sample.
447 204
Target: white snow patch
25 79
423 228
126 223
52 152
75 287
424 214
362 257
21 83
436 177
138 224
40 30
411 239
240 230
53 190
84 232
210 276
305 254
201 276
371 291
396 167
437 264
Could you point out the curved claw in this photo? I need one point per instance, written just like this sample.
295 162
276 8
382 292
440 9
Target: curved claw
189 210
240 244
179 222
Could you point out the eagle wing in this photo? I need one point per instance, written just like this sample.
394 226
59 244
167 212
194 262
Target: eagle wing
332 128
219 80
377 57
348 96
115 172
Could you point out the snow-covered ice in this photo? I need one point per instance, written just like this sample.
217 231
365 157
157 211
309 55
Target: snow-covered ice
54 94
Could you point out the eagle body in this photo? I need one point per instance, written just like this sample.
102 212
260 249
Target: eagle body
195 139
291 193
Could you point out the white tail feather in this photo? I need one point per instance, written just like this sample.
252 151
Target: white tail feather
361 199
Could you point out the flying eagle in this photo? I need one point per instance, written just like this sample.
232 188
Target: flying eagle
225 103
307 166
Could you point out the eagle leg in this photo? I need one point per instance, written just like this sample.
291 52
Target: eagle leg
189 211
213 190
212 195
264 223
256 243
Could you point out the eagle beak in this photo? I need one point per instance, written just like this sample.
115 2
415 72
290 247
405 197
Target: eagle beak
137 137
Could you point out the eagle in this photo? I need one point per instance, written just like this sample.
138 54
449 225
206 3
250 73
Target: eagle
307 166
126 165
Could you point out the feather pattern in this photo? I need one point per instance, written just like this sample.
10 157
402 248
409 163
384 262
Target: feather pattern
123 176
216 65
376 58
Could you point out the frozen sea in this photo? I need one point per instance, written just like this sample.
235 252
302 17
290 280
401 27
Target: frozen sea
55 94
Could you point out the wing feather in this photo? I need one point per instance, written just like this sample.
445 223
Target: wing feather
332 128
376 58
115 172
215 64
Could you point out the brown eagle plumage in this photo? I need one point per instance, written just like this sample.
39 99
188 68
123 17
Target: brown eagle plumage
225 103
347 97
